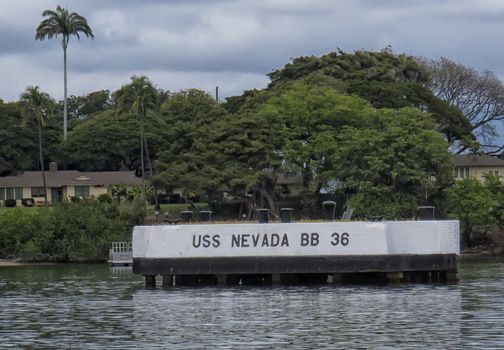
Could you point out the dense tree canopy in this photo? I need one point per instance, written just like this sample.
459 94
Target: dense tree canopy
364 126
82 107
19 141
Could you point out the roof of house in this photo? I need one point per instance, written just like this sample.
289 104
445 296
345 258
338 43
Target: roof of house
61 178
477 160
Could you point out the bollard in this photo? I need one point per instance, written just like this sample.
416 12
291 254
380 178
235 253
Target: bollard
186 215
286 214
206 215
262 215
426 213
329 209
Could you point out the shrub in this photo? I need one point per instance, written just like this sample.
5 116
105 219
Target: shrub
138 210
104 198
67 232
472 202
10 203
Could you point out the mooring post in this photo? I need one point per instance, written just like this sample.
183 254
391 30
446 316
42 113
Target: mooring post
167 281
336 278
395 277
426 277
150 281
221 280
435 277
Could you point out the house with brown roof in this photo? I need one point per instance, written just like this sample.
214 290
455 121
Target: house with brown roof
62 184
477 166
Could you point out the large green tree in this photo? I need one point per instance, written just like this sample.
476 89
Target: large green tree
88 105
106 142
311 117
473 202
384 78
65 23
392 162
189 116
214 153
36 105
18 149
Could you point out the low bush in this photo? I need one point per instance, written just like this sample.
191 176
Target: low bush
104 198
67 232
10 203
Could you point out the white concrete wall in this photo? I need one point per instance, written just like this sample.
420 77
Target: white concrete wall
361 238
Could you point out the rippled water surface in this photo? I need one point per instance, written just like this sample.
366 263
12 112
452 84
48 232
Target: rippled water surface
96 307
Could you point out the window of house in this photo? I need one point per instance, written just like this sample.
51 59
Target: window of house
18 192
37 191
493 172
81 191
14 193
2 193
462 173
9 193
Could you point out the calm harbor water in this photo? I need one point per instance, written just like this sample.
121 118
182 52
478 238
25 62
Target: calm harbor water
97 307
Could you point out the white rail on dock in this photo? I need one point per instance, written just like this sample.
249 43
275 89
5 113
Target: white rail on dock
121 254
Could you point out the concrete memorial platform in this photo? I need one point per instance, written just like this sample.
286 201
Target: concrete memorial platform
390 247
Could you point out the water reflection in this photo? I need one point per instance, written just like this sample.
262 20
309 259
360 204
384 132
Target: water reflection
341 317
95 307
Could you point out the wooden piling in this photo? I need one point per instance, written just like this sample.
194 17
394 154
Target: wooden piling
221 280
167 281
395 277
275 279
150 281
335 278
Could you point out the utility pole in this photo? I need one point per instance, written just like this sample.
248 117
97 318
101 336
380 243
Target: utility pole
217 94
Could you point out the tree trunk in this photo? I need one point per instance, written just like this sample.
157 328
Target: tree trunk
270 200
65 109
41 156
151 171
142 165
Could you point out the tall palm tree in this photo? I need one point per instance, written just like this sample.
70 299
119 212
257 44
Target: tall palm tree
35 104
140 98
64 23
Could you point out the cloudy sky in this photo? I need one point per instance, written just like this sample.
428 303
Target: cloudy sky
183 44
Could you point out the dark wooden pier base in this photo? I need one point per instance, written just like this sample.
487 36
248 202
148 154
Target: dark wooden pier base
390 269
150 281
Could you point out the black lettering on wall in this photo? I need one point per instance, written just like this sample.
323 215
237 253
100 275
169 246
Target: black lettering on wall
305 239
196 242
216 241
235 240
244 240
285 240
275 240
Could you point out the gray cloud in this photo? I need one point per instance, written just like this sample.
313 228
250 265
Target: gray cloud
232 41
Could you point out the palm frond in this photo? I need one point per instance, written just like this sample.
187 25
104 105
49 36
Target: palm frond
62 22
